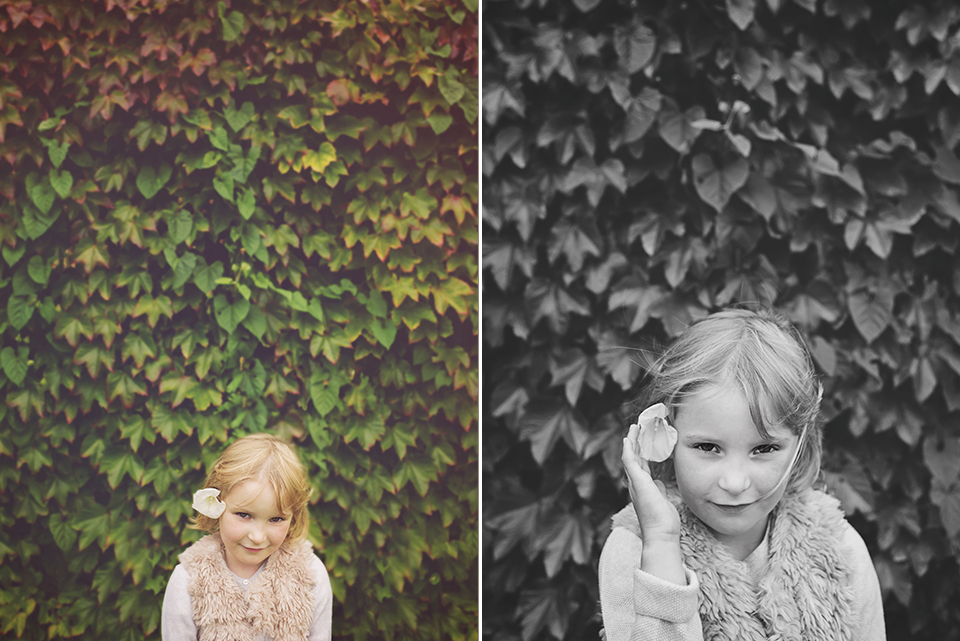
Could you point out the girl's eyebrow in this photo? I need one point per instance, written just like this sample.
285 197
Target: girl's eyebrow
700 437
244 510
706 438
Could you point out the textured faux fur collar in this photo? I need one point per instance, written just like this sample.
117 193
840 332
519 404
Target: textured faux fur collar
278 604
805 595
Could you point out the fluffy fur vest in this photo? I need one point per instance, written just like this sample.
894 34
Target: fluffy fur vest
805 594
278 604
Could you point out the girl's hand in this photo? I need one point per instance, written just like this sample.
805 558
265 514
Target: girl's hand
659 520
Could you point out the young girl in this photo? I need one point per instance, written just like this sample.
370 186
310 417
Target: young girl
255 577
734 543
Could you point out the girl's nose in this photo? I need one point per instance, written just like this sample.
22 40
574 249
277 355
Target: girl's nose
734 480
256 535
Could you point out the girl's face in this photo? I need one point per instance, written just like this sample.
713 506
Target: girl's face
252 527
724 467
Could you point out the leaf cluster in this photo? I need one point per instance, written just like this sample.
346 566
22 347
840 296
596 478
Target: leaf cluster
647 164
225 218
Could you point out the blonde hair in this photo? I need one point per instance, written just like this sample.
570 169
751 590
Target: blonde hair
765 356
265 458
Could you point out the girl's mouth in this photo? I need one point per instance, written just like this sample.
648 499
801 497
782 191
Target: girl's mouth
732 509
252 550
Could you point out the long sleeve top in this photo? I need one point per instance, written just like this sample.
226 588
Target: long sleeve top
177 624
639 606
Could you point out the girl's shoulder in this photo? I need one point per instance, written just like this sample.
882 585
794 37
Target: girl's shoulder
205 546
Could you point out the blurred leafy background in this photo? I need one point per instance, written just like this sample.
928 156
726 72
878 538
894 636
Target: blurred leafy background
223 218
646 163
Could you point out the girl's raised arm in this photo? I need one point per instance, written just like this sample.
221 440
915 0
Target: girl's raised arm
659 520
639 606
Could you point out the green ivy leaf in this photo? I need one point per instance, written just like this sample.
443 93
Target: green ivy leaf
13 254
676 128
872 312
450 86
439 121
205 276
716 186
942 457
180 226
543 426
56 151
183 270
247 203
319 160
168 423
72 327
296 115
741 12
233 24
641 113
586 6
256 321
154 308
947 498
420 204
384 331
15 364
224 186
120 384
419 473
26 400
238 119
61 182
218 138
93 355
63 535
36 223
38 269
118 462
324 391
635 45
43 196
571 537
229 315
19 312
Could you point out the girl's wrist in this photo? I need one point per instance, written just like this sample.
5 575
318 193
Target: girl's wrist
662 558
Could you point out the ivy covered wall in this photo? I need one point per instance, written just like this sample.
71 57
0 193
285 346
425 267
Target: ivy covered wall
647 163
220 218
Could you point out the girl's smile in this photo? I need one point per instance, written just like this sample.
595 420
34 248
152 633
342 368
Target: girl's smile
727 473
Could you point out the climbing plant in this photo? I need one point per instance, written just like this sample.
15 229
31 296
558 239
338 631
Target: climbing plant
645 164
220 218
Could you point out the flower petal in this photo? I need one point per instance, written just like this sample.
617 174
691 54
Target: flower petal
658 410
205 502
657 438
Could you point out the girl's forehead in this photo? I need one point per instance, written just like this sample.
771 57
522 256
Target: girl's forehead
721 410
253 492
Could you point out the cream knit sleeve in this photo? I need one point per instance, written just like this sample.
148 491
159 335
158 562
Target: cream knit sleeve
639 606
868 623
320 626
176 619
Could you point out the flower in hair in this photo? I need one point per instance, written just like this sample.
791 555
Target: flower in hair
657 437
205 502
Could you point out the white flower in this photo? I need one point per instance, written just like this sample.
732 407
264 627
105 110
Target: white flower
205 502
657 438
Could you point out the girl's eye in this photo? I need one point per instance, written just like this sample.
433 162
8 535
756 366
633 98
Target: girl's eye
242 515
706 447
769 448
278 519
